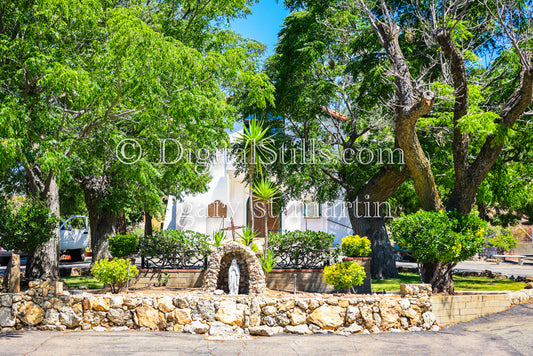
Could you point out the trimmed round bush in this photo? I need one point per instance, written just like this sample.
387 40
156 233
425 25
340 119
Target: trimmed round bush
123 245
114 272
344 275
355 246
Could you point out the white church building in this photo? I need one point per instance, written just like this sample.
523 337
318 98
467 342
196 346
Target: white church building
226 202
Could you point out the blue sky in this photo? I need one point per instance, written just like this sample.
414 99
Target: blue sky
263 24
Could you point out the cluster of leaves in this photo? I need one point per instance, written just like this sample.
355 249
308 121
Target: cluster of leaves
439 236
248 235
344 275
175 245
25 225
268 261
502 239
300 248
356 246
123 245
218 238
114 272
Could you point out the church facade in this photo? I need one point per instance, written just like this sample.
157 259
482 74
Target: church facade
226 204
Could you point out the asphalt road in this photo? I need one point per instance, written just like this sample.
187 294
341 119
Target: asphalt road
507 333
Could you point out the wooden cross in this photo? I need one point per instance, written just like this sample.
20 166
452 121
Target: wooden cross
232 228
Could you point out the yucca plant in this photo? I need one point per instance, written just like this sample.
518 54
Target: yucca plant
256 143
218 236
268 261
248 235
266 192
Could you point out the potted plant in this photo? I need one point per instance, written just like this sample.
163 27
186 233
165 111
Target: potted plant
357 249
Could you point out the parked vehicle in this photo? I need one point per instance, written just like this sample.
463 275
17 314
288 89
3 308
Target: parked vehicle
74 241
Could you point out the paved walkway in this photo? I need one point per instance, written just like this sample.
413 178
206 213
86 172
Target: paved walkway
506 268
507 333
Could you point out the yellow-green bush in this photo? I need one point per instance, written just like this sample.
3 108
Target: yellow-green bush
114 273
344 275
356 246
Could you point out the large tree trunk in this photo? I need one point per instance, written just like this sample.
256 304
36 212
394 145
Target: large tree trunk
439 275
122 226
376 192
102 222
383 264
43 263
148 228
102 226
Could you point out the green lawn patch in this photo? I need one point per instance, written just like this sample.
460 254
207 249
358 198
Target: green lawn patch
75 282
461 283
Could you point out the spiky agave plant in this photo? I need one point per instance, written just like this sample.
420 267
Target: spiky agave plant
266 192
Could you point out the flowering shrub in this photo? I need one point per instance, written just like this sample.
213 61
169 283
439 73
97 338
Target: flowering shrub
355 246
114 273
344 275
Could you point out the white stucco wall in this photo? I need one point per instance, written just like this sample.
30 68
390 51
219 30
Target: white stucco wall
191 212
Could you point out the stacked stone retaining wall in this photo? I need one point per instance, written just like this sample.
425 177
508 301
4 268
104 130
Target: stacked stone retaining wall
46 307
215 315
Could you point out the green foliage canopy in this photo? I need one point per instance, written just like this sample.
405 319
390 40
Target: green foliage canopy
26 225
439 236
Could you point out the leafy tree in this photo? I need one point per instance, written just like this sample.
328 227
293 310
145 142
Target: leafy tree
79 77
441 239
25 224
430 56
337 137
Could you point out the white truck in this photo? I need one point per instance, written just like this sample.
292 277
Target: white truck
74 241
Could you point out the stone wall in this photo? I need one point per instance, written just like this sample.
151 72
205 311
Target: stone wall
44 307
461 308
204 313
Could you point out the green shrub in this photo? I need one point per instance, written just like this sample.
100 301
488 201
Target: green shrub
344 275
254 247
114 273
27 226
502 239
439 236
302 249
175 247
123 245
218 237
355 246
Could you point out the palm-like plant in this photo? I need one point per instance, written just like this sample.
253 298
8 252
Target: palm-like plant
256 144
266 192
218 237
247 237
268 261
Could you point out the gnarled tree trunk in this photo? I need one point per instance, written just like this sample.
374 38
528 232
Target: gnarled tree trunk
43 263
383 264
439 275
102 222
376 192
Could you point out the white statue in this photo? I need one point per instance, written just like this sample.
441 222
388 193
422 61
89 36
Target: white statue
233 278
